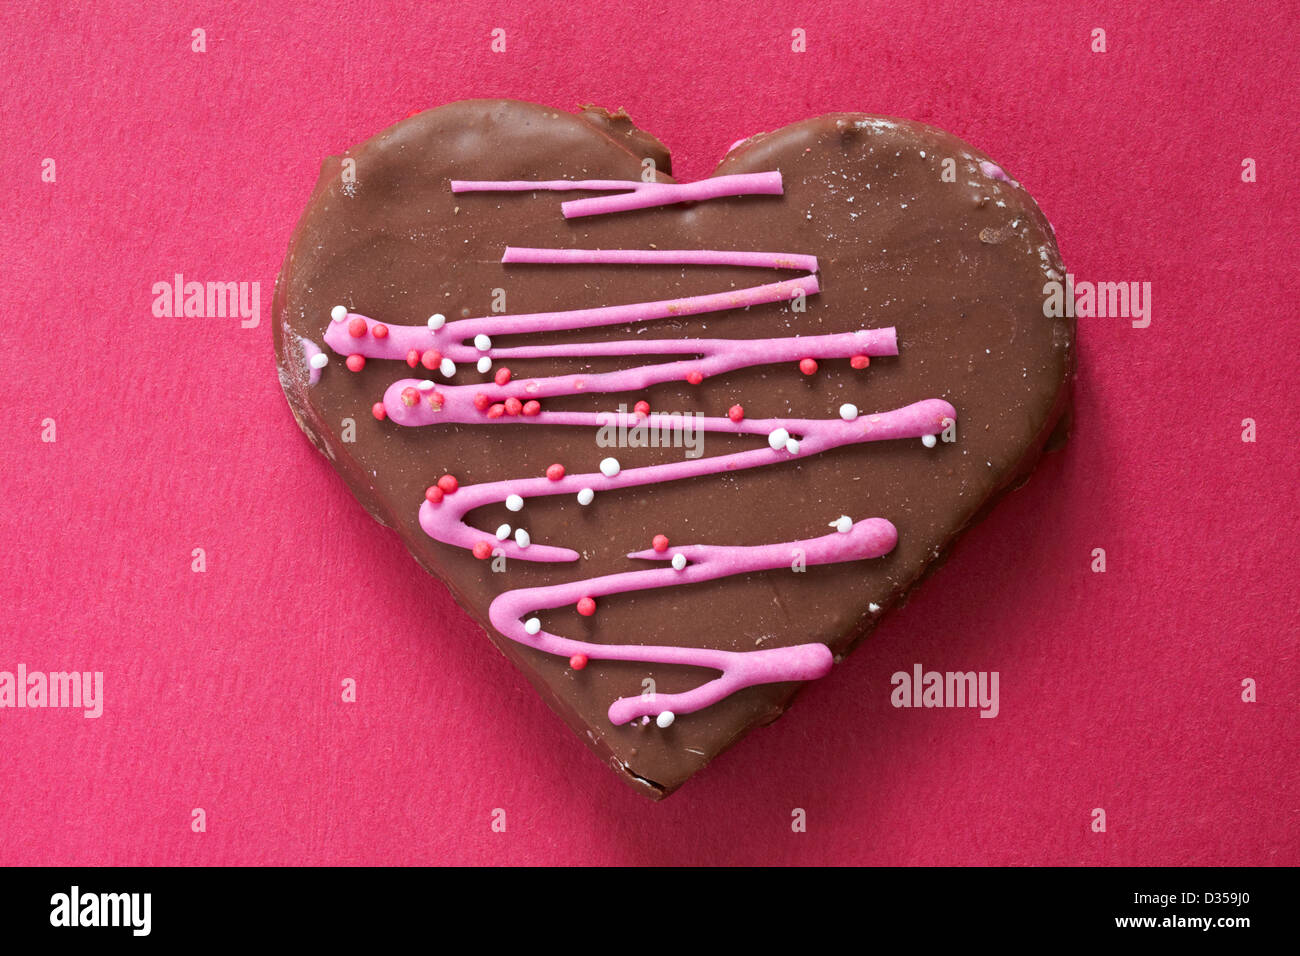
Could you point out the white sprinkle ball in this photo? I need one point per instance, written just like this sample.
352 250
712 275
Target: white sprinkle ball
437 321
503 532
665 718
843 524
515 503
929 441
447 367
586 496
778 438
610 467
339 313
319 360
521 538
532 625
485 364
848 411
424 385
792 446
679 562
482 342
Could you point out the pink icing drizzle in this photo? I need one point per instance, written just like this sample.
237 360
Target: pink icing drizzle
672 257
444 522
716 356
870 538
450 339
641 195
310 350
994 171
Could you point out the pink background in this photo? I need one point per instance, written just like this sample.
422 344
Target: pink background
1119 690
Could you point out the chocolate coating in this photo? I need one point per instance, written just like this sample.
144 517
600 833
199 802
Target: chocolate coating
958 267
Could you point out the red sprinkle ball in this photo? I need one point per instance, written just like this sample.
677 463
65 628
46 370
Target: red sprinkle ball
481 402
578 661
531 408
514 406
431 359
736 413
413 358
586 606
433 494
482 550
696 377
356 362
449 484
380 331
496 411
642 408
357 327
660 543
379 411
502 377
410 396
808 366
860 361
555 472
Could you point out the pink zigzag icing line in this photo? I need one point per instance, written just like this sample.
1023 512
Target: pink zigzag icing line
639 195
450 340
445 521
869 538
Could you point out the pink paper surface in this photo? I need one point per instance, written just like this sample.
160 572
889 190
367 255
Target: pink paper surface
222 690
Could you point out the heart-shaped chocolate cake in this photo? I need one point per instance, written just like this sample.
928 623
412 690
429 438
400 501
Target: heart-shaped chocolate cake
677 447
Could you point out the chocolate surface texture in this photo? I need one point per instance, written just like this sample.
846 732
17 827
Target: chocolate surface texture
957 267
